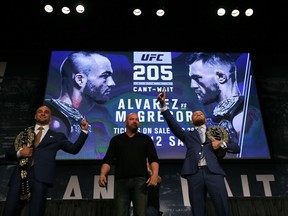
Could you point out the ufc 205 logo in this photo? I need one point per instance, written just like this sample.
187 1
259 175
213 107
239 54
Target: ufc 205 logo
152 66
2 72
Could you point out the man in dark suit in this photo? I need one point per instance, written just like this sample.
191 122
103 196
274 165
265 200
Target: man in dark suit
201 165
36 163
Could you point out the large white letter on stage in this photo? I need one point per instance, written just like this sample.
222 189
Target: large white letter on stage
104 192
73 186
266 179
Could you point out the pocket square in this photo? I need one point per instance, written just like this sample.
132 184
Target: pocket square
51 136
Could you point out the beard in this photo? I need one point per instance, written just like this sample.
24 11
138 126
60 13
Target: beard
96 94
103 100
134 129
199 122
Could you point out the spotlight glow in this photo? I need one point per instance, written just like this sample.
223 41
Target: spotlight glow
48 8
137 12
235 13
160 12
249 12
221 12
80 8
65 10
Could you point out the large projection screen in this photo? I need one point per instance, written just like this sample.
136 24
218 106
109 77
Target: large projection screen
137 79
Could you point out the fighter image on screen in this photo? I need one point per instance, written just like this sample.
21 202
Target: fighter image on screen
214 80
86 82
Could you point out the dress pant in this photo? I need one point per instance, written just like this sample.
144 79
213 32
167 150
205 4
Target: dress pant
36 203
204 182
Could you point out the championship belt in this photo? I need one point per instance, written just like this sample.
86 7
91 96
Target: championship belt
23 139
219 133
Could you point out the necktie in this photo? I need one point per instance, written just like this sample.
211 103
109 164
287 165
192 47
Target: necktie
201 133
202 161
38 136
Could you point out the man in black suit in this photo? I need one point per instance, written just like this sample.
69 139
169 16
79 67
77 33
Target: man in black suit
36 163
201 165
